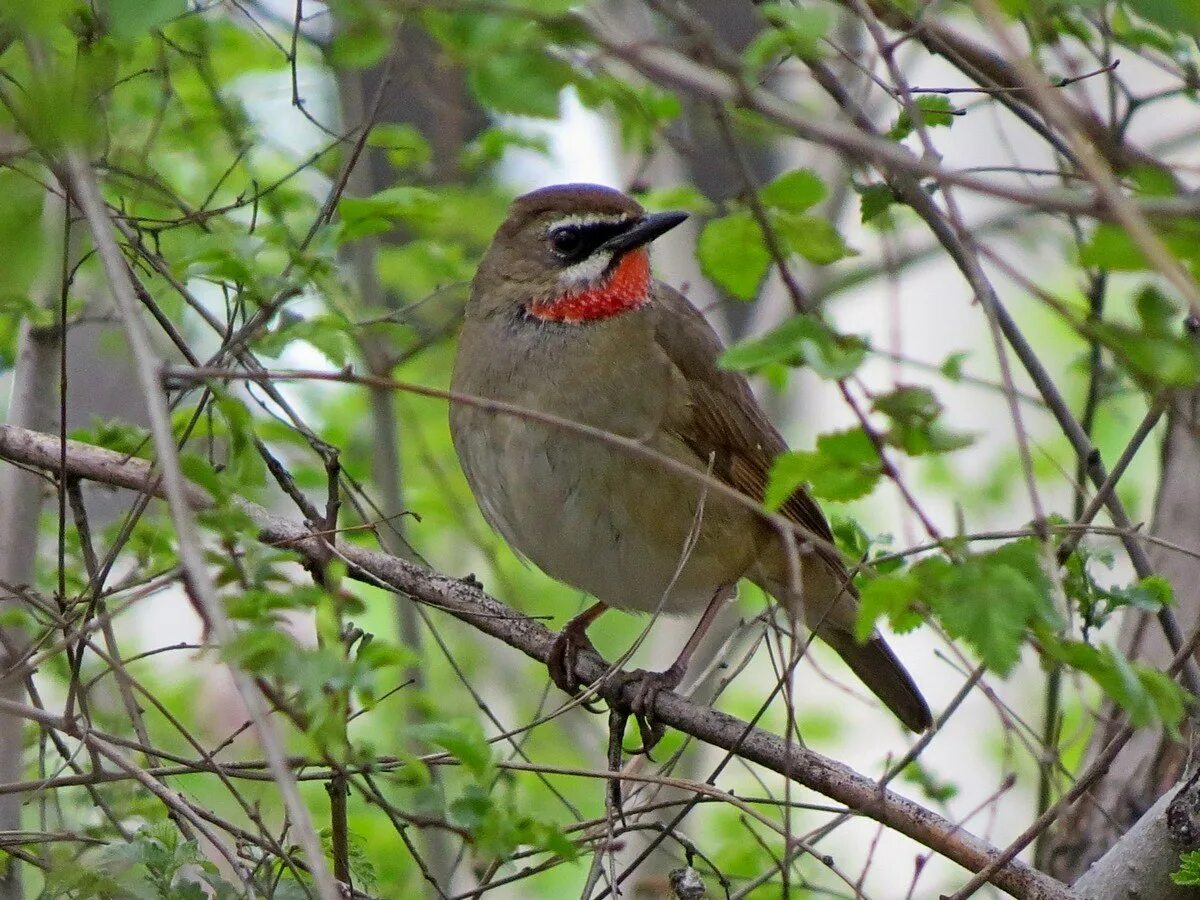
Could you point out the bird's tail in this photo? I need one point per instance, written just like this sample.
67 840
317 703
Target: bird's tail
877 667
833 621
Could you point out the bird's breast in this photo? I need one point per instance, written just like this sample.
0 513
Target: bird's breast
586 511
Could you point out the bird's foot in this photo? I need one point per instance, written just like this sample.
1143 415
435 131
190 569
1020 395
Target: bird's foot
646 687
564 651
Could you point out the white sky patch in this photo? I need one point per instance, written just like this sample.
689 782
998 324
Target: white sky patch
582 143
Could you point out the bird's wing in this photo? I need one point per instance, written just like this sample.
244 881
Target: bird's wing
721 420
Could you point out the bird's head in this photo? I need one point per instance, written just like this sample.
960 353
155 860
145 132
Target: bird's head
570 253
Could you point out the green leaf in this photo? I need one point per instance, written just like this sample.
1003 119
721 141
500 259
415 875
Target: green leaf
801 340
888 595
951 366
363 35
914 412
934 110
1188 872
1157 351
874 201
1110 246
22 240
463 739
1097 603
930 783
682 196
989 600
800 28
133 18
525 83
244 466
1163 361
732 253
812 237
361 216
198 470
492 143
1149 696
406 147
1175 16
844 466
326 334
796 191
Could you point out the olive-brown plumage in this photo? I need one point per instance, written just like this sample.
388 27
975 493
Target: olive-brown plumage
564 320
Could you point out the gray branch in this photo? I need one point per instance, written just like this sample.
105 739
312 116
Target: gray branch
466 602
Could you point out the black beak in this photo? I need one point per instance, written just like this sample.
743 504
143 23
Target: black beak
642 231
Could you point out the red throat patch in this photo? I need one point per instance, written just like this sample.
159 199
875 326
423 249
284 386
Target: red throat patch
628 287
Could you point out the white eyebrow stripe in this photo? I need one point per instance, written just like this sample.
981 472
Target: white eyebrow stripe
587 219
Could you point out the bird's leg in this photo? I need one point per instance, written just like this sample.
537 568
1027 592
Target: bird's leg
646 685
566 647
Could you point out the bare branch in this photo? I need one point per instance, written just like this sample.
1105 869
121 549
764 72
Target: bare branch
465 601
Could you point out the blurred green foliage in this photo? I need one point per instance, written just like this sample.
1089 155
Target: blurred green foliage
223 213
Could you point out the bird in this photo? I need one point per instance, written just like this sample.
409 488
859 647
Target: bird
566 322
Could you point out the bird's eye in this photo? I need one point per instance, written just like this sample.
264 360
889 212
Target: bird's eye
566 241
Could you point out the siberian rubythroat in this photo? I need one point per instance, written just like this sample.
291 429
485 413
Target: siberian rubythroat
565 320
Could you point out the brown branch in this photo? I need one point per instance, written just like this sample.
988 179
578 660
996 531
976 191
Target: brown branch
85 191
999 77
466 602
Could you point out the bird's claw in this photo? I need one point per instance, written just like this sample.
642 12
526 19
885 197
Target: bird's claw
561 663
646 688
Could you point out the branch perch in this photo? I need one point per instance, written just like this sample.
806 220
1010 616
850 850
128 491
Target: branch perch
469 604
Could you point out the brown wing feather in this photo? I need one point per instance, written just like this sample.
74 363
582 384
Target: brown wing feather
723 421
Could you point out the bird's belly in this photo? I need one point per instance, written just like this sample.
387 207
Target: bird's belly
617 527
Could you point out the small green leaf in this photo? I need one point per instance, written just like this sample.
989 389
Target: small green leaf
874 201
951 366
800 28
1175 16
934 110
801 340
133 18
812 237
990 600
930 782
522 82
914 412
797 191
1149 696
1110 246
462 738
733 254
1188 873
362 216
492 143
682 196
889 595
406 147
1153 181
843 467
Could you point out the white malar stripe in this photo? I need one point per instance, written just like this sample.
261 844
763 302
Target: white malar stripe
585 272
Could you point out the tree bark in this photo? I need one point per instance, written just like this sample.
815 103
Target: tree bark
1153 762
34 404
1139 865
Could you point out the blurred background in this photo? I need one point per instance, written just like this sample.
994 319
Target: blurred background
457 128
